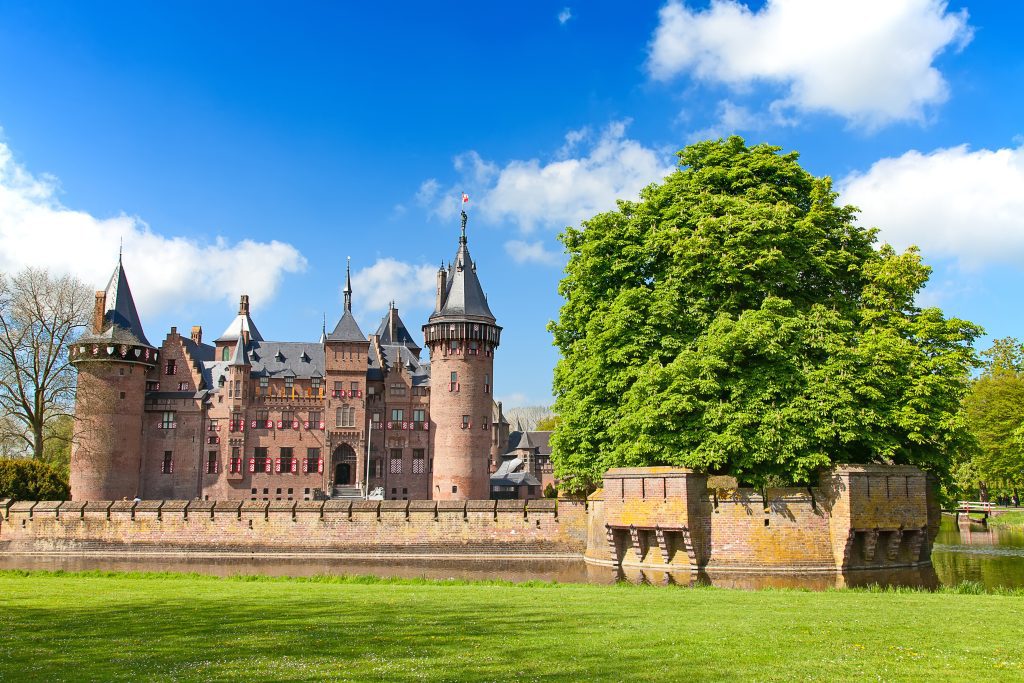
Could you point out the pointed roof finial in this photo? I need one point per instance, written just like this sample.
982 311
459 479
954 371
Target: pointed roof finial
120 249
348 284
462 239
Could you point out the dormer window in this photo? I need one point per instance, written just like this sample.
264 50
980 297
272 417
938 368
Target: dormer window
220 382
279 357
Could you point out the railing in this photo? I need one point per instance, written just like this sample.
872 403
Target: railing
975 506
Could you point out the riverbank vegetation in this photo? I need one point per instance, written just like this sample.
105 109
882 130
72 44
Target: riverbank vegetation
103 626
1011 519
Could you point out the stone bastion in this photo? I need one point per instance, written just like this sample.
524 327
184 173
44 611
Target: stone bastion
858 517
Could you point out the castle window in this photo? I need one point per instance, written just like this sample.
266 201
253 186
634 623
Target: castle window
312 461
419 391
398 389
167 421
167 466
345 417
418 461
259 460
396 461
455 489
339 389
473 348
397 414
315 418
354 386
419 416
315 383
453 346
225 353
264 384
289 383
152 386
238 389
487 383
236 461
483 422
220 381
287 462
211 463
287 416
171 366
466 424
212 426
454 384
262 419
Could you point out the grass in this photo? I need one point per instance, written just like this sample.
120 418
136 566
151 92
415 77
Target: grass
103 626
1007 519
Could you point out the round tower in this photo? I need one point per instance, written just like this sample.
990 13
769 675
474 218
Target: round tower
112 360
462 336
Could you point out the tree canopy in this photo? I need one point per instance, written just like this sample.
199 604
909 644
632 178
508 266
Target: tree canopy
995 415
736 320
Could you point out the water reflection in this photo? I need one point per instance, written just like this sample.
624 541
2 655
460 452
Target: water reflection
992 557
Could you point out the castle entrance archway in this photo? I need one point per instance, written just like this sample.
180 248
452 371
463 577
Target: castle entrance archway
344 463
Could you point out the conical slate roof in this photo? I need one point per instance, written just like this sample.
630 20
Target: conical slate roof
396 334
347 328
120 319
464 296
238 355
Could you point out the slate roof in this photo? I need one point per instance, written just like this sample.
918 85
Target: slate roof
539 442
121 322
464 296
509 473
399 335
286 359
347 329
238 354
241 323
199 352
395 354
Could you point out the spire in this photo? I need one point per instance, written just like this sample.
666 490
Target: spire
348 284
120 319
238 355
463 297
323 330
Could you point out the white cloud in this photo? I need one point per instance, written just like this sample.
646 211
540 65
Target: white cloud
37 230
564 16
530 252
408 285
956 203
732 119
870 62
565 191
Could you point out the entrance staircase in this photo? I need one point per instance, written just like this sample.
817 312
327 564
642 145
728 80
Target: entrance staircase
347 493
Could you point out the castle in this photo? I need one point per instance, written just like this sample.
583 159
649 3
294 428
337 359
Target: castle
245 418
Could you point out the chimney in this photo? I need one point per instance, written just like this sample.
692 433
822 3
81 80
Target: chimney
197 334
243 305
99 312
442 283
174 331
392 319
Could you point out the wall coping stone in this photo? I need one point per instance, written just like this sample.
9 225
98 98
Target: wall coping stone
255 506
175 506
873 469
24 506
316 506
4 504
72 508
148 506
201 508
596 495
122 506
655 472
281 506
513 505
344 506
480 505
52 506
98 506
423 506
451 505
394 506
542 505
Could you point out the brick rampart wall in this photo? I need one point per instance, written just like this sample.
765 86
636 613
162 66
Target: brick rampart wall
360 527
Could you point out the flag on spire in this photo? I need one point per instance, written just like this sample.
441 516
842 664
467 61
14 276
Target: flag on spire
465 198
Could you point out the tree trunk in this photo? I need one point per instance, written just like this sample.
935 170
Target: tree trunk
983 492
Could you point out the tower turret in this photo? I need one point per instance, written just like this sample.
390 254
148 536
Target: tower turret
462 335
112 360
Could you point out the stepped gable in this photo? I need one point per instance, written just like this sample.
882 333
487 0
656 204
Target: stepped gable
347 329
286 359
121 322
463 297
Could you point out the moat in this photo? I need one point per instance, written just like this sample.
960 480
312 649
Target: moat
991 557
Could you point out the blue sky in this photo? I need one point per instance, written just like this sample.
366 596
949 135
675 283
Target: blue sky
251 149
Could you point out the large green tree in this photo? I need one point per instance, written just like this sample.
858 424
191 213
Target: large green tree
735 319
995 415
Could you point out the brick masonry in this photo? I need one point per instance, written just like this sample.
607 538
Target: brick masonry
858 517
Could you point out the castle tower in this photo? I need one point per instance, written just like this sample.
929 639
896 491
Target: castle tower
462 335
345 353
112 360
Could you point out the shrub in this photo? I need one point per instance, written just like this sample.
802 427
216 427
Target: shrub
26 479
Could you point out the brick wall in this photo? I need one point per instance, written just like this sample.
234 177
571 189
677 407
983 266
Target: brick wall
360 527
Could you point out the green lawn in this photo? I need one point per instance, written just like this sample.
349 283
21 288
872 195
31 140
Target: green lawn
178 627
1008 519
